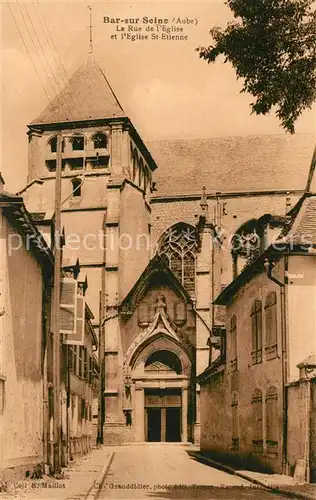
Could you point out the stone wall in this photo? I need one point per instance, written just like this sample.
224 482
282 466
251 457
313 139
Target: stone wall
21 418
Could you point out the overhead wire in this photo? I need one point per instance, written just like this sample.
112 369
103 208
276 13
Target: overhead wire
29 26
32 60
55 54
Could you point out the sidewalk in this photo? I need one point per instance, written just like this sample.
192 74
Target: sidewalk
81 480
278 483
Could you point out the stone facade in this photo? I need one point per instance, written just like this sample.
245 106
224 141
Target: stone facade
21 330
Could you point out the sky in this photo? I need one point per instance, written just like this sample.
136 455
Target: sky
163 85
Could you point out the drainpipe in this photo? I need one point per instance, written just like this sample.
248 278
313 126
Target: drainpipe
269 264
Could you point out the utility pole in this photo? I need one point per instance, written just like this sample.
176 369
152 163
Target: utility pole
102 315
56 309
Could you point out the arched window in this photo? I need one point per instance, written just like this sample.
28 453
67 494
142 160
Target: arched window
177 249
271 325
272 420
99 140
235 427
233 342
135 165
163 361
141 173
246 245
77 143
53 144
257 423
256 326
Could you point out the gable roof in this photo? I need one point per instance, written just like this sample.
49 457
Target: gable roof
232 164
15 212
155 266
87 96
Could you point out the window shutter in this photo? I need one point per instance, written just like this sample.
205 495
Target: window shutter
78 337
254 328
271 319
257 432
68 306
272 426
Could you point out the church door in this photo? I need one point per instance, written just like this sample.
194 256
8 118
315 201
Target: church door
163 415
154 424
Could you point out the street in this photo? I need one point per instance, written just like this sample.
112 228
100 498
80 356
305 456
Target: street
169 472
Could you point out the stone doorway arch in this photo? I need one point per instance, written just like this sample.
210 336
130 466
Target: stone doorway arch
159 379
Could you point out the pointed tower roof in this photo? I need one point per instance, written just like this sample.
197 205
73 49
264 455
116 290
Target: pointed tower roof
87 96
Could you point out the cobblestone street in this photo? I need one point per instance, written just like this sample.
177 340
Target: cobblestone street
167 472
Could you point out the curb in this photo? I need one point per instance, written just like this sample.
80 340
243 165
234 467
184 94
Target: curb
258 482
277 489
96 487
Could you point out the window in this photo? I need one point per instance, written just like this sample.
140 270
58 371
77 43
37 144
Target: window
257 424
75 359
135 164
233 343
271 325
272 420
70 357
99 141
80 361
177 249
90 370
77 143
76 187
53 144
85 364
256 323
235 430
246 245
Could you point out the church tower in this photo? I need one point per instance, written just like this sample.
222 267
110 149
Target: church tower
106 183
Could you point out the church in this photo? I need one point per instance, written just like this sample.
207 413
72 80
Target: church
153 224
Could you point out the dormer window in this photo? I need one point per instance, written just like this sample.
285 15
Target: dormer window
77 143
99 141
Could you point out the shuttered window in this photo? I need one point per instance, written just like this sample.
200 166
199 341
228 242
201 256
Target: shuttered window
256 327
257 423
271 325
235 429
85 364
233 341
77 338
272 420
68 306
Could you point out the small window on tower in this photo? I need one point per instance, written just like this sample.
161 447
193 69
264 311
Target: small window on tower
99 141
77 143
53 144
76 187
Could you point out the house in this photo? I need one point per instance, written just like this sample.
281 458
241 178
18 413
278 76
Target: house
258 396
26 362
